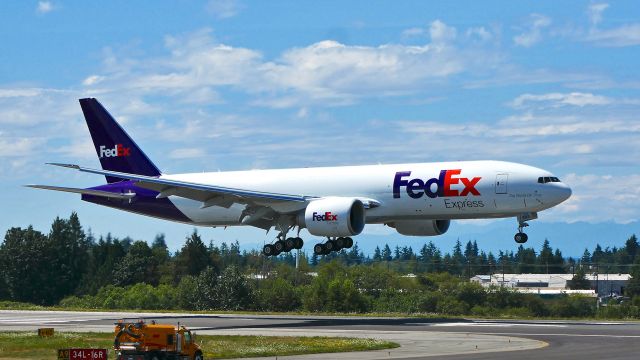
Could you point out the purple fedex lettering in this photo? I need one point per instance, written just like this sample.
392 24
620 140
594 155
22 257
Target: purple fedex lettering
416 188
327 216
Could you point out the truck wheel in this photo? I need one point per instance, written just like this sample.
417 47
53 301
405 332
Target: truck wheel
198 356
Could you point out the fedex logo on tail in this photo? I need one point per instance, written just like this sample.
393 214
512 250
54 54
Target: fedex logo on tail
327 216
116 151
435 187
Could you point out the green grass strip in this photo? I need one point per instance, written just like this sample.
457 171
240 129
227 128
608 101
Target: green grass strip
27 345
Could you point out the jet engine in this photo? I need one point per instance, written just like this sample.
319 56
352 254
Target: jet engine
334 216
421 227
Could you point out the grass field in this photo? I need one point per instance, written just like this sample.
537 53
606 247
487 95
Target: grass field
27 345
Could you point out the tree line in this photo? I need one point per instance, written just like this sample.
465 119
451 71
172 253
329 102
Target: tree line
70 267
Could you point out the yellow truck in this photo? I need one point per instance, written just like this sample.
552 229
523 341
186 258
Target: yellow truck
142 341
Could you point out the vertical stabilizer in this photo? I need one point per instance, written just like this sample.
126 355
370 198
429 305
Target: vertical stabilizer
115 149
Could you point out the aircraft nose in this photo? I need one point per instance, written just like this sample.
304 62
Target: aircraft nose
562 192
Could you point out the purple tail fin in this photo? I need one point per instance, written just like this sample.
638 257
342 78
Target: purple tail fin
115 149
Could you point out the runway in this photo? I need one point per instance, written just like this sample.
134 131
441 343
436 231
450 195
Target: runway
419 338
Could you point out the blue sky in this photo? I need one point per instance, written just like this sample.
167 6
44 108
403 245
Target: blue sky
229 85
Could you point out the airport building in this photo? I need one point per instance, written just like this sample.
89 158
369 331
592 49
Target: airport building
551 284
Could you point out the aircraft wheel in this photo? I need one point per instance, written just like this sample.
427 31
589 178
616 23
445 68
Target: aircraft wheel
349 243
268 250
299 243
341 243
279 246
290 244
318 249
330 246
521 238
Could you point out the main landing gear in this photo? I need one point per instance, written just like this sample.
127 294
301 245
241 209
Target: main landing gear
333 244
282 245
520 237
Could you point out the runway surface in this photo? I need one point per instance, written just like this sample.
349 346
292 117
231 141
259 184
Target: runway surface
420 338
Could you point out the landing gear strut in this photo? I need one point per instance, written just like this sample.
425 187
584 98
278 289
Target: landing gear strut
520 237
283 244
333 244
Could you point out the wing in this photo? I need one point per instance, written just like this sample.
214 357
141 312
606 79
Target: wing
209 195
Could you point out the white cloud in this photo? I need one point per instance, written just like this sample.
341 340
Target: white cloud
186 153
44 7
625 35
595 12
441 32
92 80
326 71
560 136
621 36
480 33
19 92
533 35
224 9
413 32
18 147
561 99
599 198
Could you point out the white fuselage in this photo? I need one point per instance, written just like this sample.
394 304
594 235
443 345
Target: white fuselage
481 189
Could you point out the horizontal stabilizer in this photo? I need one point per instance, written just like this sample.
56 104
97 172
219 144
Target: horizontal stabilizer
101 193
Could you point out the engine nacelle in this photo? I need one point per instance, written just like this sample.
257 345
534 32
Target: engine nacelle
421 227
334 216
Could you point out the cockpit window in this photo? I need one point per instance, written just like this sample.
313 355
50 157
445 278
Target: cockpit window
546 179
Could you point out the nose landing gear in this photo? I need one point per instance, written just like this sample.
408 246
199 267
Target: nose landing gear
520 237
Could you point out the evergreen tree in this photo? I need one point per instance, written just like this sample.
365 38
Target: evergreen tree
558 263
377 254
355 256
632 246
598 255
586 258
457 252
545 258
526 260
386 253
579 280
68 255
468 252
138 266
633 287
24 257
193 257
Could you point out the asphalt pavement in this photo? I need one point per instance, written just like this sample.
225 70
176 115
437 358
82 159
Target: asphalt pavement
419 338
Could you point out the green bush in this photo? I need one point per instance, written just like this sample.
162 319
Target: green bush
573 306
517 312
449 305
278 295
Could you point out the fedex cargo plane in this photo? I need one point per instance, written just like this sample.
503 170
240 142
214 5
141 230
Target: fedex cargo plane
334 203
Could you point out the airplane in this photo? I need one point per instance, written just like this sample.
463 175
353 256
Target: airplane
335 203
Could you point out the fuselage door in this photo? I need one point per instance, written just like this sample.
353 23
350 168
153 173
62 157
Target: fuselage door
501 183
